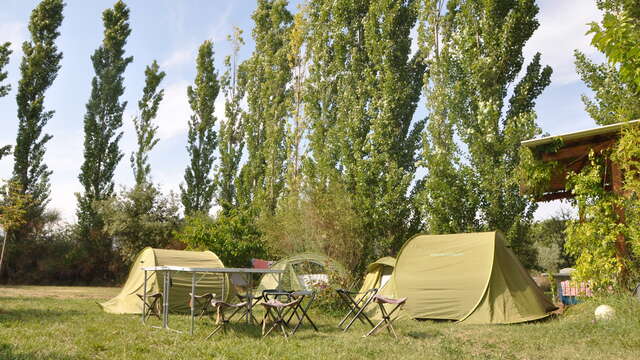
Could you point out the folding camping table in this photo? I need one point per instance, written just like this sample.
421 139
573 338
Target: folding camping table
167 270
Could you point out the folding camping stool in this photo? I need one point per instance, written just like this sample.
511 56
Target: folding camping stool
152 305
277 311
300 311
386 316
246 298
221 320
356 308
202 302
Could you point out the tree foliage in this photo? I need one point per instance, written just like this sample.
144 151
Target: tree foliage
14 205
38 69
231 129
5 52
266 75
200 187
613 100
143 123
232 236
617 37
102 123
362 91
139 217
297 127
549 237
605 240
476 56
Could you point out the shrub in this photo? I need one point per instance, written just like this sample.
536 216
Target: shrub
327 299
549 238
231 236
137 218
316 222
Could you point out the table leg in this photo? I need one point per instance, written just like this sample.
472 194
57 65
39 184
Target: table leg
167 280
250 299
144 298
193 300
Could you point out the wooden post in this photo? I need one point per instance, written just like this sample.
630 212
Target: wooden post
622 252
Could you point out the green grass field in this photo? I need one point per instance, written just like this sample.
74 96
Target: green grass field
66 323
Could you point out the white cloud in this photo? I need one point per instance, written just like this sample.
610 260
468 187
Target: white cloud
174 111
563 25
64 200
14 32
179 57
64 157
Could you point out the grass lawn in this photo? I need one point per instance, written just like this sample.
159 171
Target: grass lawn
69 325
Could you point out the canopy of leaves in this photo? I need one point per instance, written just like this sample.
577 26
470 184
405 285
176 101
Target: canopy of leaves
231 236
39 68
5 52
617 37
139 217
199 188
231 129
145 128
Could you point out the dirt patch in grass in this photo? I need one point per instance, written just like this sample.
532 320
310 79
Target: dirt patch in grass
59 292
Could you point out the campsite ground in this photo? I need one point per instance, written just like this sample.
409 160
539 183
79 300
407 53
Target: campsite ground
65 323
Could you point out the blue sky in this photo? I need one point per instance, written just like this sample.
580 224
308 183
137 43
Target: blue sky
170 32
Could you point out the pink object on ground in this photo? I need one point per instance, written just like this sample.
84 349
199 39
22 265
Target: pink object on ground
574 288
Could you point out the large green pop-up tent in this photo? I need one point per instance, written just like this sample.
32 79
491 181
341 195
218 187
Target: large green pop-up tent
473 278
127 302
298 269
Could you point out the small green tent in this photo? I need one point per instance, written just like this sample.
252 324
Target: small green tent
378 274
473 278
299 271
127 302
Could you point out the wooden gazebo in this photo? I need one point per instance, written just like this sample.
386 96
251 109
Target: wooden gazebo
573 154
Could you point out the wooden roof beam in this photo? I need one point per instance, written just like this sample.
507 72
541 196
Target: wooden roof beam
577 151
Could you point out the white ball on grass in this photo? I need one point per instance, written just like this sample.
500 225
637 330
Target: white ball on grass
604 312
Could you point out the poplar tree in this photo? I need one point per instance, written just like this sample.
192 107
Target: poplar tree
231 131
394 82
102 123
145 128
363 88
476 58
38 69
298 126
5 52
199 189
324 52
267 75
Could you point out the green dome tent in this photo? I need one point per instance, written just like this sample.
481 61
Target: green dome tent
378 274
127 302
473 278
300 271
